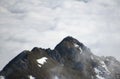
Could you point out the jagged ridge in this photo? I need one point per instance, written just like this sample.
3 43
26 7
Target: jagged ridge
69 60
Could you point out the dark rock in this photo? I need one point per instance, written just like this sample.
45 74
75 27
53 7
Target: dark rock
69 60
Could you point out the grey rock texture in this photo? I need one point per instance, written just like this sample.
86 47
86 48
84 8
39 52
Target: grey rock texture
70 59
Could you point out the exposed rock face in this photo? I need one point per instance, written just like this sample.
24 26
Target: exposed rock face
69 60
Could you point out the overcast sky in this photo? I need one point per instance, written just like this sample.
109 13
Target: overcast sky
25 24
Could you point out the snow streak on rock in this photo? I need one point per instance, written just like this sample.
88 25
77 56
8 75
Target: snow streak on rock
77 46
98 72
105 67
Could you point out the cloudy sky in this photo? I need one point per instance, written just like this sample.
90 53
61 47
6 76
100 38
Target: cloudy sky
25 24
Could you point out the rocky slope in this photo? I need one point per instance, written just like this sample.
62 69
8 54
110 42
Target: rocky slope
70 59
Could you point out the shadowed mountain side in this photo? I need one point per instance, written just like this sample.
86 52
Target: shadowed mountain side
69 60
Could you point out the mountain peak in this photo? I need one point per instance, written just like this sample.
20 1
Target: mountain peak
70 59
70 39
69 46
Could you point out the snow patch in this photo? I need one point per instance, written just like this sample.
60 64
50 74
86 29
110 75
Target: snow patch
99 77
41 61
56 77
98 74
102 70
105 67
31 77
2 77
77 46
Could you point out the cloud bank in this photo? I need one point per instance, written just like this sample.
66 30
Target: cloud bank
25 24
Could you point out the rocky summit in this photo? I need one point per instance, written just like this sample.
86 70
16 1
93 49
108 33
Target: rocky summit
70 59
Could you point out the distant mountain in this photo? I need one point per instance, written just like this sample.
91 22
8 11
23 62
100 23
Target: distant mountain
70 59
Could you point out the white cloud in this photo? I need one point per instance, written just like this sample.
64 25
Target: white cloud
44 23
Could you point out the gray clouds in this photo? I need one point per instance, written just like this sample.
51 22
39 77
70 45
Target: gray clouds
25 24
